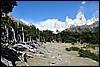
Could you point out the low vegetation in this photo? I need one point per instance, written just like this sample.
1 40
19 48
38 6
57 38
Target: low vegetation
84 53
68 49
73 43
93 46
72 49
88 54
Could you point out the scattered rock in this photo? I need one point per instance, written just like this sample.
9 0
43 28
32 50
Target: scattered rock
52 63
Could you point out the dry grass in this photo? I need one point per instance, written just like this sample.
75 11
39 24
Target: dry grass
58 56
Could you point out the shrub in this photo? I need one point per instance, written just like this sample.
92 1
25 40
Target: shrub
73 43
84 47
68 49
74 48
93 47
94 56
88 54
81 53
87 46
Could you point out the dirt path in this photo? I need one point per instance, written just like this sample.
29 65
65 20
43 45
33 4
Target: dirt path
56 55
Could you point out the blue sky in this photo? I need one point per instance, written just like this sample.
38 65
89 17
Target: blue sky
37 11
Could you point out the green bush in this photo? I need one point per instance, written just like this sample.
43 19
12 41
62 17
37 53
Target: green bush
74 48
87 46
84 47
93 47
73 43
88 54
94 57
68 49
81 53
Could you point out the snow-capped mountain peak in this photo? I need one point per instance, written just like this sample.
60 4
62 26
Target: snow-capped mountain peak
80 16
55 24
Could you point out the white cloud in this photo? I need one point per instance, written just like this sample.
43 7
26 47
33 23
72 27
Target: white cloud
83 2
81 7
97 11
96 14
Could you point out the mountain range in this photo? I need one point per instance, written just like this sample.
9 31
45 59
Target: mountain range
55 24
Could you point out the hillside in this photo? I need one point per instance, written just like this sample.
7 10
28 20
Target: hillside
93 27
